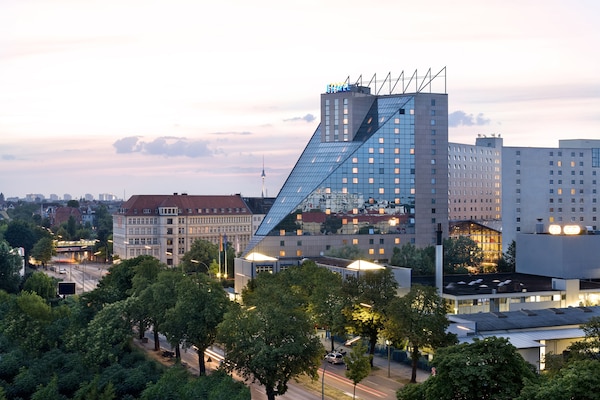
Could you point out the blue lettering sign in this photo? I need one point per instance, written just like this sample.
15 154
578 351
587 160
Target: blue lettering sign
338 87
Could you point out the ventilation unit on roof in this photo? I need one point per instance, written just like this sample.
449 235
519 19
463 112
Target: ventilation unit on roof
527 312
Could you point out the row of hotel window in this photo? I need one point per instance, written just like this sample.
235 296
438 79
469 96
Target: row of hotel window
191 230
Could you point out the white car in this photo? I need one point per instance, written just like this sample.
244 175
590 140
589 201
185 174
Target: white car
62 271
334 358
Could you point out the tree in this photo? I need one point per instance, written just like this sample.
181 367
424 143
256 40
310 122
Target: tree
420 260
200 307
107 335
462 255
10 265
42 284
507 263
579 380
358 365
326 301
43 250
203 253
419 318
271 340
490 368
159 298
369 296
348 252
20 234
589 346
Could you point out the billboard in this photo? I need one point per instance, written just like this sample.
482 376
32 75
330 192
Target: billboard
66 288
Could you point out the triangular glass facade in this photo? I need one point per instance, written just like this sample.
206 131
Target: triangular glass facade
363 186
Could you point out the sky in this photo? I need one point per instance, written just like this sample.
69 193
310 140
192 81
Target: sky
133 97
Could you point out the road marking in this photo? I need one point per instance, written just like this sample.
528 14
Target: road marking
358 386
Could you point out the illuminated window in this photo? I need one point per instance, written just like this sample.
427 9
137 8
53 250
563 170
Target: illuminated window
381 190
355 211
299 232
327 211
371 160
396 181
344 190
396 151
396 121
298 253
371 251
396 161
397 240
354 180
355 170
371 180
396 130
344 221
344 180
354 241
381 251
396 170
299 217
282 232
382 211
355 160
412 151
281 253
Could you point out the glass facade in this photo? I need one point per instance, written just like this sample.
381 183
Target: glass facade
360 181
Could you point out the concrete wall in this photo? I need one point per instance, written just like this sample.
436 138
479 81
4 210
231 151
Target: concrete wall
559 256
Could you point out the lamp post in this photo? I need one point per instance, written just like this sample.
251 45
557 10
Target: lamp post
388 343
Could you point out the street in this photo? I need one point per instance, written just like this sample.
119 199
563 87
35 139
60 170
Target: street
376 386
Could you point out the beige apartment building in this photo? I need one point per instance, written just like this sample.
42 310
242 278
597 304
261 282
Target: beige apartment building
165 226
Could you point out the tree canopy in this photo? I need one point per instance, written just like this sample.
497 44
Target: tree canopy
271 339
490 368
419 318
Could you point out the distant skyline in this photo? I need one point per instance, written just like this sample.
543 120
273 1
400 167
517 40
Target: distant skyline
154 97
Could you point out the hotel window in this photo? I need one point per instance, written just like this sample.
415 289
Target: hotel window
281 253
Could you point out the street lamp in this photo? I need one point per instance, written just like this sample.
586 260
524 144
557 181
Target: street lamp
388 343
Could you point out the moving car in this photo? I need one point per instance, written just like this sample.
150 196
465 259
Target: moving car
334 358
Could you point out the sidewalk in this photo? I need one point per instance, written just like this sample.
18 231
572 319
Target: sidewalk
398 372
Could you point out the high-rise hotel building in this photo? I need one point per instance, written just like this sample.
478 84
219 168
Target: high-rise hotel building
374 174
543 186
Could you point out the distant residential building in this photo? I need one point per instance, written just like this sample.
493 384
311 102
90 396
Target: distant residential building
67 197
34 197
165 226
59 215
53 197
107 197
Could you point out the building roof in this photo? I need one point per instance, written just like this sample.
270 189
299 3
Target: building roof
485 284
259 205
524 319
140 205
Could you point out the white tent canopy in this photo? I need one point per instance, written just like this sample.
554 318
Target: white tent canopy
259 257
362 265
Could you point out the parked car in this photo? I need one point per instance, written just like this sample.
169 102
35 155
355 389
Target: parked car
334 358
62 271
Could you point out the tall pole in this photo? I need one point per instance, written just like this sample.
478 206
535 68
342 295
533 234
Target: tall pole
439 256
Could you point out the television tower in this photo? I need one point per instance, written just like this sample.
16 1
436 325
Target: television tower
262 175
